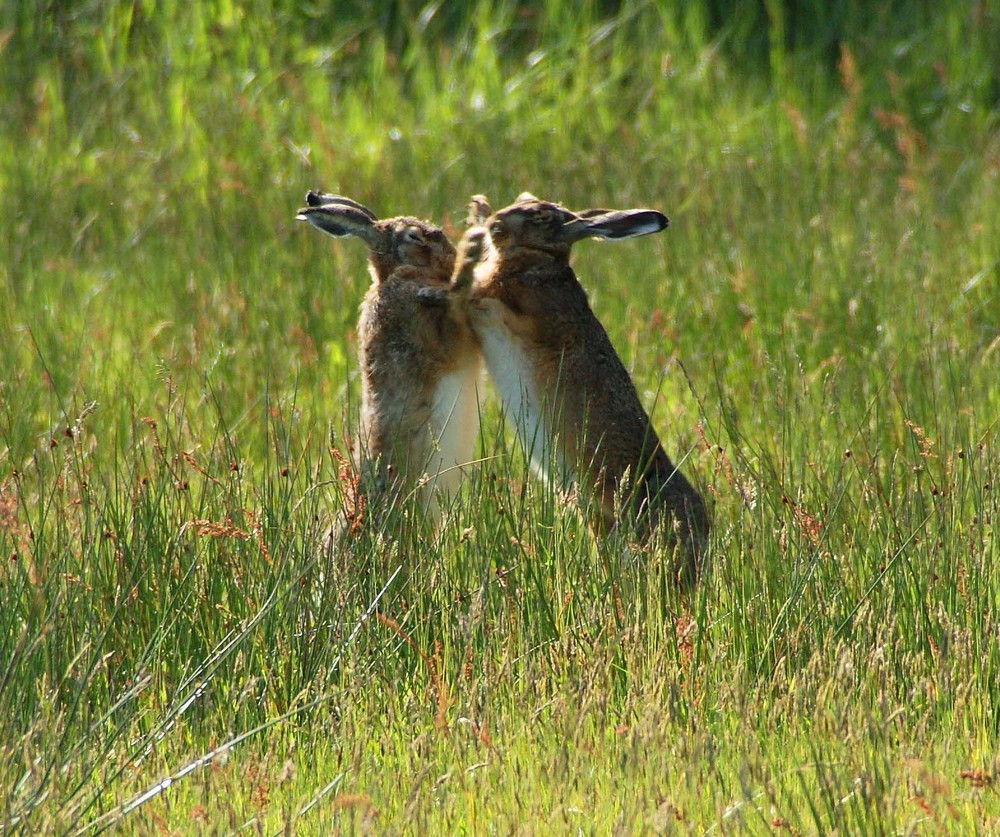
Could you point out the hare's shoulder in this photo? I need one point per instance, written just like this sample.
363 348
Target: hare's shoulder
412 323
549 290
407 280
410 295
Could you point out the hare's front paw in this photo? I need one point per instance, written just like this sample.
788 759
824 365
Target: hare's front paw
471 247
470 253
479 210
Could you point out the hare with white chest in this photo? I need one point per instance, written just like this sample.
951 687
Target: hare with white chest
560 380
420 362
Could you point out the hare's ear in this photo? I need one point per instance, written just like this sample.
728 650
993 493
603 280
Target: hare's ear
526 196
615 224
325 199
338 216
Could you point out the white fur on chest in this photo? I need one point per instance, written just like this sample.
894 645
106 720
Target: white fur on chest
454 425
511 370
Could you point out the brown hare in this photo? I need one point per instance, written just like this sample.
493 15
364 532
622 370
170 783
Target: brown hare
558 376
420 362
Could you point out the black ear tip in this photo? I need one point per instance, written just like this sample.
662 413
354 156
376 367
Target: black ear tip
314 198
656 220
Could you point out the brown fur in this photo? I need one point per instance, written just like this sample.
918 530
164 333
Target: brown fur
529 310
411 339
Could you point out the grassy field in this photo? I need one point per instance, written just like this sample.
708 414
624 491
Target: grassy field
817 336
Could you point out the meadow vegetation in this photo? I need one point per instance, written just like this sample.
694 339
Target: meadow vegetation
817 337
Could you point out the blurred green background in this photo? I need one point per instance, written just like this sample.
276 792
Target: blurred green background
817 336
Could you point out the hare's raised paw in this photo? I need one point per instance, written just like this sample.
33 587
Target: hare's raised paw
470 253
479 210
471 247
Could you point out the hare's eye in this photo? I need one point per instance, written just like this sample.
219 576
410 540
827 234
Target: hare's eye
413 236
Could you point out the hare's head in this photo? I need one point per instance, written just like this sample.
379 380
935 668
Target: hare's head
540 225
393 242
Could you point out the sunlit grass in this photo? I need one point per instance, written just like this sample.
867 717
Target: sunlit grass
816 335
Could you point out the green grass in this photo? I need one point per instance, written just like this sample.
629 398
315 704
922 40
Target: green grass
817 336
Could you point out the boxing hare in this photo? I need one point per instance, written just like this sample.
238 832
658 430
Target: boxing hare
420 363
558 376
